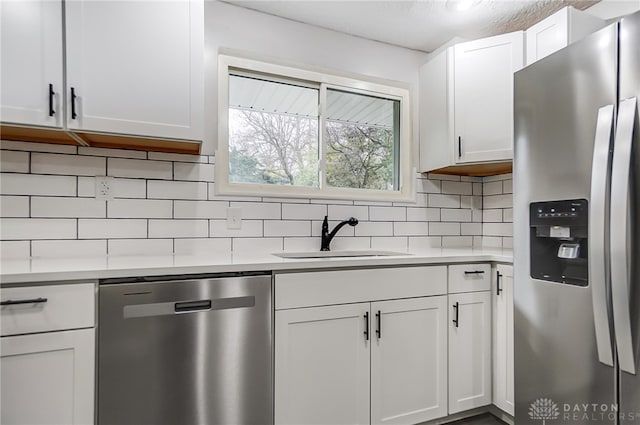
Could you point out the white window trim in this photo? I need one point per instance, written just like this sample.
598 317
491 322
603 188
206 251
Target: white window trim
363 85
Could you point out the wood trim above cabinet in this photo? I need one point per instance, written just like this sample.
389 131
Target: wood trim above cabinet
98 140
478 170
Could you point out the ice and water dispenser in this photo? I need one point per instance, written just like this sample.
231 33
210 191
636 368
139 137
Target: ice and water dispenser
559 241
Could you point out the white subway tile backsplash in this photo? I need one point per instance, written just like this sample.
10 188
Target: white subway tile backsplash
303 212
428 186
34 184
460 215
393 243
301 244
477 189
250 229
410 228
444 229
497 229
498 177
122 188
69 248
492 216
457 188
476 216
387 213
67 207
473 179
30 228
159 189
202 246
456 241
162 156
14 162
193 171
374 228
73 165
343 212
259 210
492 242
37 147
139 208
112 228
446 177
15 249
444 201
492 188
498 201
200 209
471 229
252 245
137 168
507 214
423 214
507 186
507 243
178 228
424 243
116 153
331 201
14 206
341 243
140 247
287 228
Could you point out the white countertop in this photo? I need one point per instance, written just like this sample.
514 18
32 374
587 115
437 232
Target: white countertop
31 270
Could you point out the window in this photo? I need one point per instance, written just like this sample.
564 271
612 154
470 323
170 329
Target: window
294 132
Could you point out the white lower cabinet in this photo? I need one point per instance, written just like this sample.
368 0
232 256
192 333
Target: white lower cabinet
503 373
409 360
47 362
381 363
469 351
48 378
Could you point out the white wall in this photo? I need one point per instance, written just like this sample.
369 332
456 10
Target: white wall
270 37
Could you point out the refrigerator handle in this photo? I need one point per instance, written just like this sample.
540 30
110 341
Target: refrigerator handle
598 207
620 231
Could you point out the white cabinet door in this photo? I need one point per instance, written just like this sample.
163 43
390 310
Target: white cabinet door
503 373
48 378
31 58
469 351
322 365
409 360
483 99
136 67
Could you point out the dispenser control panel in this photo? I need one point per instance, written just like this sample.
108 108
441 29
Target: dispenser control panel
572 212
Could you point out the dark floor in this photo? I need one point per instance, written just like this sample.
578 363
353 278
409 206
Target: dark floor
486 419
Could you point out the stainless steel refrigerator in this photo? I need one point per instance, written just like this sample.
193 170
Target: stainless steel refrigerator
577 232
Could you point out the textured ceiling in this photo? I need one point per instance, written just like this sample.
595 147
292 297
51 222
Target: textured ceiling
416 24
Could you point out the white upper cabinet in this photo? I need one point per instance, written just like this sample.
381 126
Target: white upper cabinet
31 63
559 30
135 67
466 102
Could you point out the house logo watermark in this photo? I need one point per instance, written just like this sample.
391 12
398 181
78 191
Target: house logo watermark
544 409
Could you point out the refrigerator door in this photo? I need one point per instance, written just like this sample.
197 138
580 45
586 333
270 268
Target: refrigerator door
629 88
557 101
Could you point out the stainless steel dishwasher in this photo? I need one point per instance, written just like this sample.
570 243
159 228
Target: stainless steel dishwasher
185 350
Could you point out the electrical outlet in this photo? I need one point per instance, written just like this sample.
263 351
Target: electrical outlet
234 218
104 188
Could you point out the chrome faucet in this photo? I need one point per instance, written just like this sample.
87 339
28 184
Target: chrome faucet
327 237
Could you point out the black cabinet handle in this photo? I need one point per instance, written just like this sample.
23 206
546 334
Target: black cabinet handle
74 115
459 147
474 272
379 324
28 301
498 288
456 306
366 326
52 112
187 306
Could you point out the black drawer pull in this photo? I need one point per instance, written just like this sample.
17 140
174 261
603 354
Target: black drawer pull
29 301
193 306
52 112
366 326
74 114
474 272
379 324
498 288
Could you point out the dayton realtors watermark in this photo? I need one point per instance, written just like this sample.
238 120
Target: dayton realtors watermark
545 409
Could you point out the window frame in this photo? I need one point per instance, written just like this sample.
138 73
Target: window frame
228 64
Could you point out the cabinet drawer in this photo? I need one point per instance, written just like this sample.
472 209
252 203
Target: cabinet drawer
469 278
295 290
47 308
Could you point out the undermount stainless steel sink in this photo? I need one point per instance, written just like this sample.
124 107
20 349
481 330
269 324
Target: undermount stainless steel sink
337 254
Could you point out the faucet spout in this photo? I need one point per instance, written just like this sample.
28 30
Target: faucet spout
327 237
